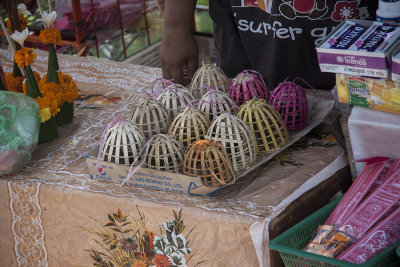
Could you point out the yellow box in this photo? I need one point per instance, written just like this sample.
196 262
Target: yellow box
377 94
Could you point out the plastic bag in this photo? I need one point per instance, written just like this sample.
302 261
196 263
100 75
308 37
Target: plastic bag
19 130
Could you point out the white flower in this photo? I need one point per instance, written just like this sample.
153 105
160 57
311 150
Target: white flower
22 10
48 18
20 37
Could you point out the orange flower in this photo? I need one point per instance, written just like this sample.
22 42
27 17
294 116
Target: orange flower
50 36
24 57
139 263
161 261
52 95
14 84
69 88
23 22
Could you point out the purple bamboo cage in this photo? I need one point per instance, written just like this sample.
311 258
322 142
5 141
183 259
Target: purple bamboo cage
247 85
290 100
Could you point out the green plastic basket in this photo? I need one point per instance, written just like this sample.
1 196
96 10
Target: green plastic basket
290 243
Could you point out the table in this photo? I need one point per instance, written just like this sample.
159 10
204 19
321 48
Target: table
51 211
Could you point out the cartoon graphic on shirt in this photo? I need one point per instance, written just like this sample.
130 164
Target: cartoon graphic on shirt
331 11
312 9
262 4
345 10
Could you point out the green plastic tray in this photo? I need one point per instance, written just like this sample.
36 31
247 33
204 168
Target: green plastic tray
290 243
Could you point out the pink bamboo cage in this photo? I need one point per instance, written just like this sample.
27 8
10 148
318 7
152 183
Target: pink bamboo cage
290 100
247 85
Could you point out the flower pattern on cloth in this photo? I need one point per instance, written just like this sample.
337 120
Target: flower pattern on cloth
26 224
345 10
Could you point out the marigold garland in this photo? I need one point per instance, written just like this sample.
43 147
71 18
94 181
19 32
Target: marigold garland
52 96
68 88
50 36
14 84
24 57
23 22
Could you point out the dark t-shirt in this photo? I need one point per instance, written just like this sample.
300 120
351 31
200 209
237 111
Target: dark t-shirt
278 38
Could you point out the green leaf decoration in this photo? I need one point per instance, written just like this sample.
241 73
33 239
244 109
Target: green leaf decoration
52 69
31 84
48 130
2 86
110 224
16 71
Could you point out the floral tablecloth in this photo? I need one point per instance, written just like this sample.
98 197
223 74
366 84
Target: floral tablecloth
53 214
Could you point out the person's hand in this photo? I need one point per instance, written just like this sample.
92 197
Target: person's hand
178 55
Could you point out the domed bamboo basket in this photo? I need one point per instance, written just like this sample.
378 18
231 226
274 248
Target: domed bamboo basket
122 144
215 102
208 160
174 98
290 100
235 135
150 116
247 85
189 126
208 75
266 125
165 154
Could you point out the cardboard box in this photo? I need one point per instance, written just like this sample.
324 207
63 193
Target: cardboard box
377 94
175 182
396 65
361 63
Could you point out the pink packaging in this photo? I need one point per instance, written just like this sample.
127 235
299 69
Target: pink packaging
374 207
358 190
375 240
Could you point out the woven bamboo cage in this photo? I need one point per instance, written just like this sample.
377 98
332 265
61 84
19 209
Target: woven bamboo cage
189 125
215 102
208 75
290 100
235 135
266 125
165 154
247 85
209 161
122 144
150 116
174 98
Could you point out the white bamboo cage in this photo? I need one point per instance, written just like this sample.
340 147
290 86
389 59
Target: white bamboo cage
189 125
150 116
122 144
236 137
165 154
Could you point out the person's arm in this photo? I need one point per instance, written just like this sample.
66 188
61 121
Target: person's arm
178 48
